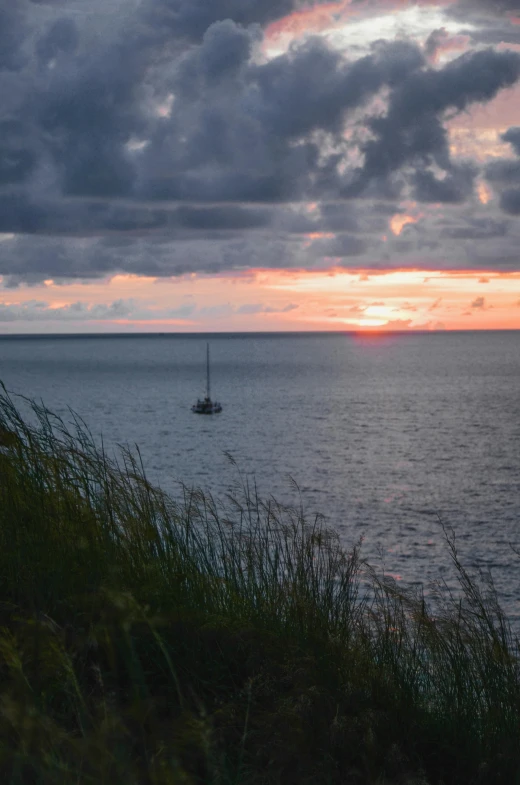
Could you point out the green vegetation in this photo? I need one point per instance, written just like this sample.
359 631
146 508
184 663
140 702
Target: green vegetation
151 640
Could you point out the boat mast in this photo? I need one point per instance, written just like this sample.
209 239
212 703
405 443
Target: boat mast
207 370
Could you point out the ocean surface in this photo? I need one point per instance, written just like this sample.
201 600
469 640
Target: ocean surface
384 435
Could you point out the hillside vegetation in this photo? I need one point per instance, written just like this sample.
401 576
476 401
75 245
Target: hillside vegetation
146 639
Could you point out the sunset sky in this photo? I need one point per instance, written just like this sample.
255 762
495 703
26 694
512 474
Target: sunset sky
248 165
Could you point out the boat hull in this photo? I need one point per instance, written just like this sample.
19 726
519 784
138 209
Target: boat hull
206 407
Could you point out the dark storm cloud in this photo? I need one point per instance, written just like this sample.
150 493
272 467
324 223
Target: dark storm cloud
489 22
504 174
12 34
343 245
223 218
313 86
224 50
510 201
513 137
478 229
454 188
61 36
338 218
435 41
491 7
88 112
412 132
21 215
504 171
191 18
33 259
248 135
17 158
163 121
493 32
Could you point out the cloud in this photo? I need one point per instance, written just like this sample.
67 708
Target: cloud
17 159
479 302
504 174
412 133
157 138
222 218
336 217
13 32
33 259
487 22
491 7
513 137
191 18
510 201
503 171
256 308
479 228
453 188
38 311
60 37
252 137
343 245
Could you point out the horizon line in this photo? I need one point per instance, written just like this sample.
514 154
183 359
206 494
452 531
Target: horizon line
234 333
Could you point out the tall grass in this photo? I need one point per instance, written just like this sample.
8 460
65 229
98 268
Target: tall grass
145 639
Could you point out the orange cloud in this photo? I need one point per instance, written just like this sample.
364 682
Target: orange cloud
400 220
484 192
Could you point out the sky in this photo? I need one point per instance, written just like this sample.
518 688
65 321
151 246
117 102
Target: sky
251 165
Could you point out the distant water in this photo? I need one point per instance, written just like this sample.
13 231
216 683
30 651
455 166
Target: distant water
382 434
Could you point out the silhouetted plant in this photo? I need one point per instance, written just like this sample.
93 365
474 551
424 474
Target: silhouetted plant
145 639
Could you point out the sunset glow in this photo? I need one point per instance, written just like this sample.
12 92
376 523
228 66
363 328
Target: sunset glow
275 301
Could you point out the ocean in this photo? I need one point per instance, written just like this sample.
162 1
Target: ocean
385 435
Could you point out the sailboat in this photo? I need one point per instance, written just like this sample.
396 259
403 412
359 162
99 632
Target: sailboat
207 406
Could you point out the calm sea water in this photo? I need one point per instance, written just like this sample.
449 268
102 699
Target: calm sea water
382 434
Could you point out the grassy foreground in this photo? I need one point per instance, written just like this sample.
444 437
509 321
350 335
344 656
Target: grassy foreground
151 640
